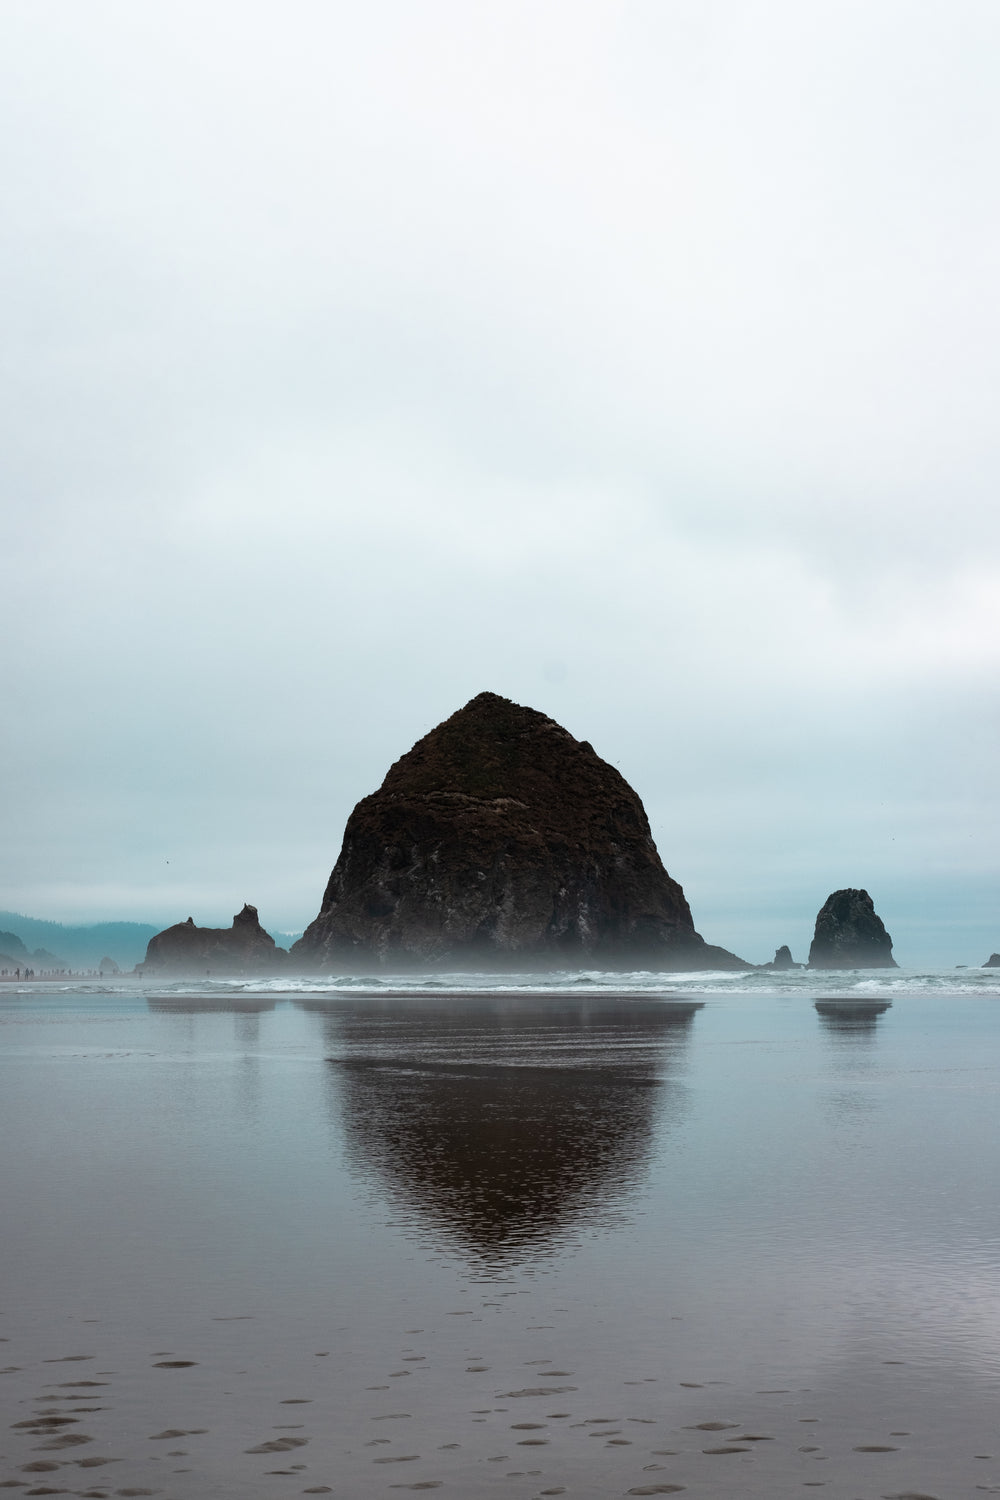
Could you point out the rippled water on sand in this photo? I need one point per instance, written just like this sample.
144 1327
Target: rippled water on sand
694 1236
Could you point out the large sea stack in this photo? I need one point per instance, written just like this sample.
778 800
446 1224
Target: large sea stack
244 948
850 935
500 840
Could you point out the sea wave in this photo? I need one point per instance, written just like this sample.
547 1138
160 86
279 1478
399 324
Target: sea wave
809 984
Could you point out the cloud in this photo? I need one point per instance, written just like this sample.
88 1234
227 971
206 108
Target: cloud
636 361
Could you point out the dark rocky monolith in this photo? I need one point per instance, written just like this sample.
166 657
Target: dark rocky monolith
783 959
993 962
500 840
244 948
850 935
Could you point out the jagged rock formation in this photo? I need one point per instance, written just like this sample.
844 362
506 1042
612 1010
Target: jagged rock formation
500 839
244 948
783 959
993 962
849 935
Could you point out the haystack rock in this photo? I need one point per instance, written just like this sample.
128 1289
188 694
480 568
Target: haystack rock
244 948
993 962
500 840
850 935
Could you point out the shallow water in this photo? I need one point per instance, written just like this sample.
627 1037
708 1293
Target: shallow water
736 1235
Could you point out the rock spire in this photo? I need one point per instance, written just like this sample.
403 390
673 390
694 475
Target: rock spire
850 935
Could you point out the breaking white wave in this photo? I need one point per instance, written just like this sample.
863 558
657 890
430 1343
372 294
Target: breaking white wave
807 984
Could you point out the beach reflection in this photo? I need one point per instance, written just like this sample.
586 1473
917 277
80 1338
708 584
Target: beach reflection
506 1124
851 1018
850 1027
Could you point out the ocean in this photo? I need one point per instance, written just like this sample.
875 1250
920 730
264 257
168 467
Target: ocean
586 1235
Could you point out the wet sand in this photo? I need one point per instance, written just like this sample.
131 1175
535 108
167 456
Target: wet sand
267 1248
481 1399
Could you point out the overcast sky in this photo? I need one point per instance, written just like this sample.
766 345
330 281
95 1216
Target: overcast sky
637 361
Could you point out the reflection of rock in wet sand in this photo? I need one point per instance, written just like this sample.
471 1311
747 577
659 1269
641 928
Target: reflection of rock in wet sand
848 1015
201 1005
506 1123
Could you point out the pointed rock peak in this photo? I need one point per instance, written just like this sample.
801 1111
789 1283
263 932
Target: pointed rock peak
247 917
490 748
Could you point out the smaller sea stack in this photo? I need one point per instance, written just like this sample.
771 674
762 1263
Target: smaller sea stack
244 948
850 935
783 959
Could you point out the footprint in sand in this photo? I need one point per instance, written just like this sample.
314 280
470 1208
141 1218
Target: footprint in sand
44 1424
656 1489
537 1390
278 1445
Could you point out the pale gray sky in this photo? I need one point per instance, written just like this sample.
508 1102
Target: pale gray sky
638 361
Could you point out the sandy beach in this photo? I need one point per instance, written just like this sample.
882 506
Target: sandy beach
588 1245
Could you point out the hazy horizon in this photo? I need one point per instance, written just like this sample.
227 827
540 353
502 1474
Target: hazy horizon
636 362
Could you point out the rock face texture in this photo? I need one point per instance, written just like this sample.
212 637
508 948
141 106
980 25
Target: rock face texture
501 840
244 948
849 935
993 962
